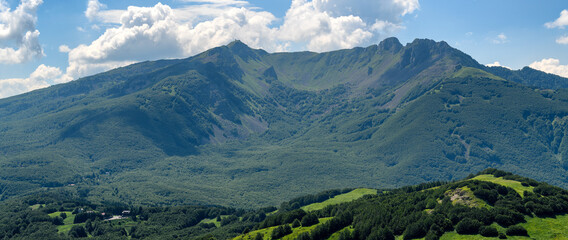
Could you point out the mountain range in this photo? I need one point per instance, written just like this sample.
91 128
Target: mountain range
242 127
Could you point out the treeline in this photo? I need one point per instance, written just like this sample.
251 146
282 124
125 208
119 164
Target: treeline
315 198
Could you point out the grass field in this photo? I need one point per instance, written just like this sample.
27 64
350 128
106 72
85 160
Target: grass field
455 236
36 206
346 197
474 72
213 220
519 188
537 228
267 232
548 228
336 235
67 222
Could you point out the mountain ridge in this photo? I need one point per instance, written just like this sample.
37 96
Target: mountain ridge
233 125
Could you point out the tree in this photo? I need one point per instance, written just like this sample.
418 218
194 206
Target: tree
57 221
382 234
258 237
77 232
309 220
415 230
281 231
89 225
229 219
345 235
303 236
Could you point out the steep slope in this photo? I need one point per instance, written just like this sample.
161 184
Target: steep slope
465 124
240 126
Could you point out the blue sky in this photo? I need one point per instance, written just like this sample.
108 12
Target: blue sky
46 42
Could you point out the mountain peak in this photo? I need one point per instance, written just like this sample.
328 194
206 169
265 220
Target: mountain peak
390 44
422 49
237 44
429 43
244 51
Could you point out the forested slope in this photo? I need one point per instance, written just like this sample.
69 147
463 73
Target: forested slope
239 126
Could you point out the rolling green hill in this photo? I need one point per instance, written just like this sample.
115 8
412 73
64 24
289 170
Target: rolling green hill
240 127
484 206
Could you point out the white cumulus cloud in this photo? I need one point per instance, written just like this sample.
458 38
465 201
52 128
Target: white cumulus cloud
97 11
500 39
93 9
497 64
64 49
158 32
40 78
149 33
551 65
562 40
560 22
325 25
304 23
19 38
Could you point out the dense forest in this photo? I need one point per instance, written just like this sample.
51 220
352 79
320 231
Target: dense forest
492 203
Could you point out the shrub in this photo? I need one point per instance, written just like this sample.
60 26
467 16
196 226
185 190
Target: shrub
468 226
296 223
431 236
436 229
488 231
504 220
517 230
490 196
